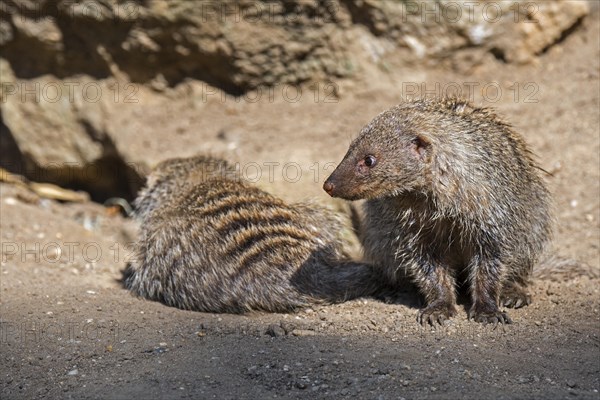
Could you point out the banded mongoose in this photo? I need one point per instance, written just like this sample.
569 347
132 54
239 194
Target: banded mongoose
452 192
211 242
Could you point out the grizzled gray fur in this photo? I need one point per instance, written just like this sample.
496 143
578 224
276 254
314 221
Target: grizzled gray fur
453 195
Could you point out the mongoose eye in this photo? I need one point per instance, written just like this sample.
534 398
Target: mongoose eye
370 161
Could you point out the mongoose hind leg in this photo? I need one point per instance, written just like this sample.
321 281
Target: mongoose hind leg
486 285
437 284
514 295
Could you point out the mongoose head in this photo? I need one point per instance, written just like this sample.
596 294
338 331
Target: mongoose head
389 157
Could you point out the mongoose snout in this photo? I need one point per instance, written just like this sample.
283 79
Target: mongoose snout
329 187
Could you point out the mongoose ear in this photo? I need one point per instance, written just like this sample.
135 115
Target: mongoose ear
421 146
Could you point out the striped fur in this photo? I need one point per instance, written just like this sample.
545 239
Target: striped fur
211 242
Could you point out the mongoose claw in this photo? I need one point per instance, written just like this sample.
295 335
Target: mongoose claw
493 317
515 299
512 302
435 314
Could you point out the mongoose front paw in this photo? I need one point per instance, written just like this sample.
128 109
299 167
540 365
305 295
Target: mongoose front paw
515 296
436 313
489 317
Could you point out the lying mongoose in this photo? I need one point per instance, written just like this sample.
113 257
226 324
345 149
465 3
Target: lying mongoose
211 242
452 191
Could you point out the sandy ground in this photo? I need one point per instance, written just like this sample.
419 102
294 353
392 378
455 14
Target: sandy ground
70 330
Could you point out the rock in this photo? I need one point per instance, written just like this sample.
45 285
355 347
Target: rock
55 133
239 46
236 46
6 32
45 126
275 331
74 72
303 332
539 26
515 31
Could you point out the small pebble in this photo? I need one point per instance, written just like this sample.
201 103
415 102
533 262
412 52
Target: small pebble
303 332
275 331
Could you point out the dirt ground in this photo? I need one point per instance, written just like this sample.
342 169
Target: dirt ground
70 330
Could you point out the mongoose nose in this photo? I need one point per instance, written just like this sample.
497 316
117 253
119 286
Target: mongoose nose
328 187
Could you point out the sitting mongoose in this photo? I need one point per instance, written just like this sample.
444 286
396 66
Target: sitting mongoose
209 241
452 191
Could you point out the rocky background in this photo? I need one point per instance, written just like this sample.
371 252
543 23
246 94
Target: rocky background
68 67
